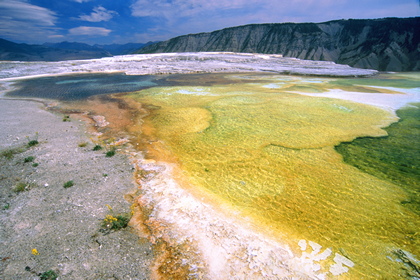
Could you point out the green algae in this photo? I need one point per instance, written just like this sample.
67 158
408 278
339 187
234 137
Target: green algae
395 158
269 153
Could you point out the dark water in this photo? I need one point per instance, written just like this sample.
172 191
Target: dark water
81 86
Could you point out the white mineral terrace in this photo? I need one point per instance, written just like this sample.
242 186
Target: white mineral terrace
182 63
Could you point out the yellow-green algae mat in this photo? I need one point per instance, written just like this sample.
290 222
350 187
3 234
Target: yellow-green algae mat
269 153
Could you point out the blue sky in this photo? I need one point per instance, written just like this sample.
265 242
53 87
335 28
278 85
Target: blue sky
123 21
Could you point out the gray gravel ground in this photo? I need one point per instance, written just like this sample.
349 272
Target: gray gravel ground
62 224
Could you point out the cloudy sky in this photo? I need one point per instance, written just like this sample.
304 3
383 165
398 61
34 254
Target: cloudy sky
122 21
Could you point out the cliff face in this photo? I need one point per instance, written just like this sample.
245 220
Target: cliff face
391 44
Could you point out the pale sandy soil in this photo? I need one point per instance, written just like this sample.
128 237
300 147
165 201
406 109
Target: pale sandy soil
63 224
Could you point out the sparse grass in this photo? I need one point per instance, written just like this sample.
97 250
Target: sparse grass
66 118
97 148
83 144
29 159
10 153
21 187
35 164
68 184
6 206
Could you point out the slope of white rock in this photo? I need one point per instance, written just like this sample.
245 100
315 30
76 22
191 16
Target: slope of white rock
181 63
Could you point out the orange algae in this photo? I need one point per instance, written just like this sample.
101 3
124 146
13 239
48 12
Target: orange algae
269 154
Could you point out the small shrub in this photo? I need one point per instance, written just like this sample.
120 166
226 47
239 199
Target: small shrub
49 275
66 118
35 164
29 159
110 153
115 222
84 144
68 184
33 143
97 148
21 187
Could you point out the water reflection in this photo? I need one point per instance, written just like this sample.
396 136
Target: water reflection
81 86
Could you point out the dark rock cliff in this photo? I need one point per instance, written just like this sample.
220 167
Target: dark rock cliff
390 44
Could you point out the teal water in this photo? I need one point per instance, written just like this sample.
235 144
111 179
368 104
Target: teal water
81 86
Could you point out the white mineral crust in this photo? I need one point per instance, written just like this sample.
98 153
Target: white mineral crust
179 63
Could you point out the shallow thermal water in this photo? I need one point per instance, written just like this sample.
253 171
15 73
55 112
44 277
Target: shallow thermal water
81 86
262 148
242 169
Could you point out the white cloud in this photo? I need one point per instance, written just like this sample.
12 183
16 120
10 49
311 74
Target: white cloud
91 31
22 11
183 8
81 1
99 14
56 36
21 20
178 17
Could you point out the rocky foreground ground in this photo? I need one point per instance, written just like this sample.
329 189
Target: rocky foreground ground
55 192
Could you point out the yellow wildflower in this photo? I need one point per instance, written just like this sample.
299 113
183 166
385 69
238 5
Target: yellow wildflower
110 218
35 252
109 207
